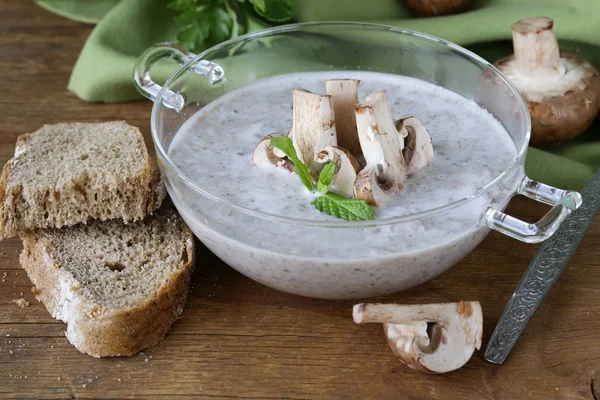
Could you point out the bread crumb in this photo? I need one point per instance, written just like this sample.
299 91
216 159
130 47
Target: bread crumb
119 379
21 302
58 378
8 335
147 359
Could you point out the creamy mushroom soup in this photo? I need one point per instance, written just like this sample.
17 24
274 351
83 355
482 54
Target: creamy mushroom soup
214 147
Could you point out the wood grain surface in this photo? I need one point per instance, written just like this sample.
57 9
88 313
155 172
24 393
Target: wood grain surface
238 339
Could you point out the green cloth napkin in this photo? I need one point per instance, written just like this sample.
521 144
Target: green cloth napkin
128 27
88 11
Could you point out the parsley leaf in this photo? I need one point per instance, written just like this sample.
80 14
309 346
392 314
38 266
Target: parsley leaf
273 10
325 177
286 145
342 207
205 23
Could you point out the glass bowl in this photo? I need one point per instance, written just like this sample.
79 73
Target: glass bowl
341 259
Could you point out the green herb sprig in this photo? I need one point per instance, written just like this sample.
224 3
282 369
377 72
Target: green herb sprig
205 23
329 202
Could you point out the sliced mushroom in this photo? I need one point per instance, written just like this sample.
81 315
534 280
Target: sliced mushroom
345 171
368 186
418 148
382 146
562 89
430 338
313 126
344 93
265 154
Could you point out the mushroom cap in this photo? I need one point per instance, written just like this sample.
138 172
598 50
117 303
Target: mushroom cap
346 168
566 112
428 8
367 187
418 147
265 154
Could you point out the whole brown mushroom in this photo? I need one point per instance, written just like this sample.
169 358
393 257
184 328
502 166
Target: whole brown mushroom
430 8
562 89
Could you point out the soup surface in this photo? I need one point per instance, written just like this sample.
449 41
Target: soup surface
214 147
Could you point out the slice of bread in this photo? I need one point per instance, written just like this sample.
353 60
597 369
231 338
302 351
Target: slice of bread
118 286
70 173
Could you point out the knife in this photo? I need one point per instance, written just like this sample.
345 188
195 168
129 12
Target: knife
543 271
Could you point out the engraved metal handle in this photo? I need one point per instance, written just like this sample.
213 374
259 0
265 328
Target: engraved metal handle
150 89
564 202
543 271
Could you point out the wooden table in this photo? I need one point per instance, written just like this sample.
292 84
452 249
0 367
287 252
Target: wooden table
238 339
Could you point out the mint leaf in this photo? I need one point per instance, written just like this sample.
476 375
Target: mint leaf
329 203
342 207
286 145
274 10
325 177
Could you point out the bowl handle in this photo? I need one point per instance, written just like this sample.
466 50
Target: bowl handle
150 89
564 202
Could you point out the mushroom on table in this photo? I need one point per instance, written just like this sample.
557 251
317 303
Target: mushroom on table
429 8
430 338
562 89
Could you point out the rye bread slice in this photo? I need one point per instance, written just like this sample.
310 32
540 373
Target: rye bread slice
70 173
119 287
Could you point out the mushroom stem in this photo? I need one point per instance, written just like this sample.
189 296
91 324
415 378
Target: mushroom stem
345 97
313 126
536 48
380 141
382 146
396 314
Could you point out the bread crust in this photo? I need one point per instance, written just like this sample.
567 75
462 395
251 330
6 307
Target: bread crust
95 329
